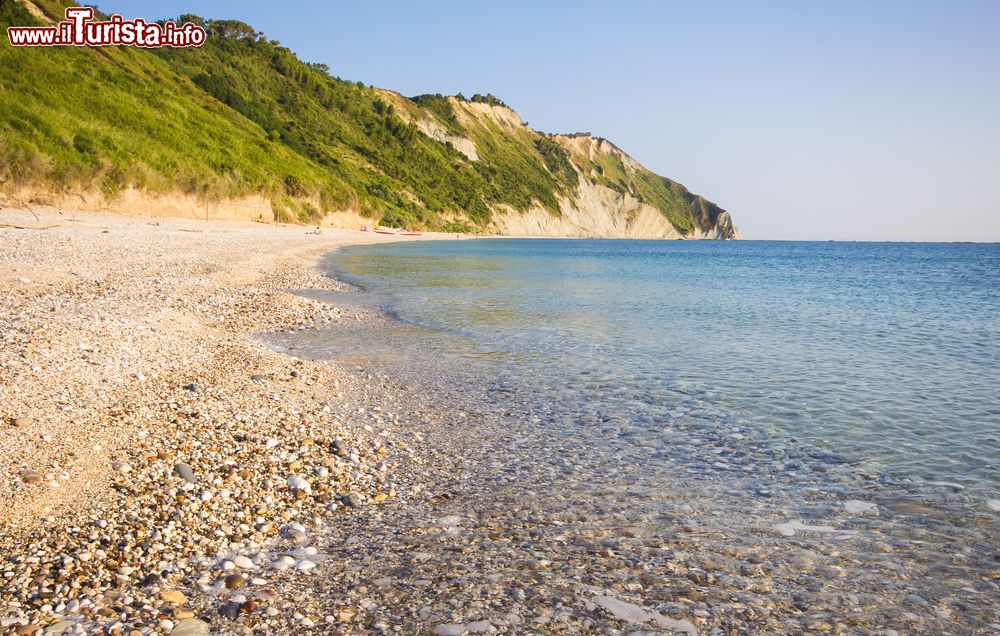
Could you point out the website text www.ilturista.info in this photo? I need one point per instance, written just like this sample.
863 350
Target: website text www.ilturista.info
79 29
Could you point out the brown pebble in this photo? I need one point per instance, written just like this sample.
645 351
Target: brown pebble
235 581
30 476
173 596
21 422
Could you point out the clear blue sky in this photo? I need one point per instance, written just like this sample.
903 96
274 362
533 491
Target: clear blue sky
806 120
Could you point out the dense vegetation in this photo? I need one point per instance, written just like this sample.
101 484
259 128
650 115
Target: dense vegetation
113 117
243 115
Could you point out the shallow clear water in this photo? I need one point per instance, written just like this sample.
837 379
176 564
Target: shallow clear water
883 353
829 410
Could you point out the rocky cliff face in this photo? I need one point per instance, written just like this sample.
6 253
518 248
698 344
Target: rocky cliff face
614 195
601 212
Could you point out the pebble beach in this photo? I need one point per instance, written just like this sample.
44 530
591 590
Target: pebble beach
177 460
157 462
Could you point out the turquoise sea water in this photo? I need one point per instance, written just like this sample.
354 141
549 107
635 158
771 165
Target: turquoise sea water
886 355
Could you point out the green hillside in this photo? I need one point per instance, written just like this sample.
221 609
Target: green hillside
243 115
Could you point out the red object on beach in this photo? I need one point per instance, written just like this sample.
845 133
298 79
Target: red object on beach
383 232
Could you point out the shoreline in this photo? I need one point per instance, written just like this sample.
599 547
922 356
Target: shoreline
538 524
150 441
205 483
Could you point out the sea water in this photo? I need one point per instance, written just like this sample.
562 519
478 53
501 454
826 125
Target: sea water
883 353
842 396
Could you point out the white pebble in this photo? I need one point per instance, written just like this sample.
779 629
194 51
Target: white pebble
283 563
854 506
297 482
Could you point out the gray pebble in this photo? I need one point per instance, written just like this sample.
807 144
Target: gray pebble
186 473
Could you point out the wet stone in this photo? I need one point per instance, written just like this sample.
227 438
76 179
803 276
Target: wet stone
230 609
916 599
295 536
234 581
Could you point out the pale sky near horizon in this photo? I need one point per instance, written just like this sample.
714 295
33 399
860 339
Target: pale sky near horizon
806 120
